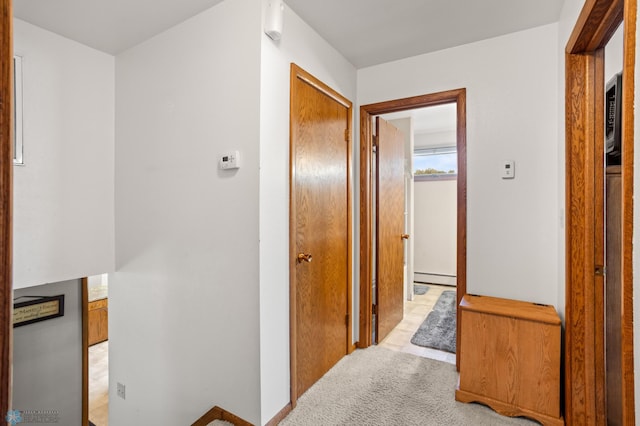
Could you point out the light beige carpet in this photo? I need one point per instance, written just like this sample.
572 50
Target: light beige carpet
377 386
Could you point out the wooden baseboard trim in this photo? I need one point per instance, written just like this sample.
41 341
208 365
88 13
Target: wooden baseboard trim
217 413
280 415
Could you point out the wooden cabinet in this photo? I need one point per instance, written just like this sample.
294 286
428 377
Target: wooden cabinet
510 357
98 321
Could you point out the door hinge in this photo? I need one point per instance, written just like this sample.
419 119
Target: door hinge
347 135
346 320
374 309
601 271
374 143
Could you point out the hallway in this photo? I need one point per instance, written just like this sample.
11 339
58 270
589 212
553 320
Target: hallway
415 312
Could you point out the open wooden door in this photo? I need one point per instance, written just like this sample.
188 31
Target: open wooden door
389 227
320 230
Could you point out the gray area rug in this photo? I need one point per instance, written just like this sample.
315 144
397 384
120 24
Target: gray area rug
438 331
378 386
420 289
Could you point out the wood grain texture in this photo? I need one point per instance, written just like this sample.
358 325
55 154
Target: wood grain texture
366 229
511 359
507 409
389 227
217 413
280 416
599 232
320 226
580 400
461 255
584 346
499 307
366 186
628 171
596 23
6 197
98 321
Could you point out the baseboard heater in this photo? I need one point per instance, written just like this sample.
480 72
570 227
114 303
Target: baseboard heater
430 278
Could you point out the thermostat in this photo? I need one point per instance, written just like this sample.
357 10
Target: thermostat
508 169
230 160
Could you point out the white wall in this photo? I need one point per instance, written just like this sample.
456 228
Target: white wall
47 357
435 226
63 195
184 302
299 44
511 84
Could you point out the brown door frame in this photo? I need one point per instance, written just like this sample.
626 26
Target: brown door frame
84 300
366 196
6 201
299 73
584 100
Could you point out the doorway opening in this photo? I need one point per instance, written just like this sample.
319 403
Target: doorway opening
430 201
95 342
368 183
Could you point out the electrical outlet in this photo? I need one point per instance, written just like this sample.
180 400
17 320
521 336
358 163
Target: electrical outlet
120 390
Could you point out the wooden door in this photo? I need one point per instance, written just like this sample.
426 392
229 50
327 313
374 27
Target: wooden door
389 227
320 229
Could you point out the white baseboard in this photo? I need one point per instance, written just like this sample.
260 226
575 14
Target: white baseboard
421 277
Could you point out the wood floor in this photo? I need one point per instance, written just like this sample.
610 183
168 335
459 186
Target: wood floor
415 312
99 384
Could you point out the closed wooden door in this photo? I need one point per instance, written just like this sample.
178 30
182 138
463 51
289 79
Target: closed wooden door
389 227
320 230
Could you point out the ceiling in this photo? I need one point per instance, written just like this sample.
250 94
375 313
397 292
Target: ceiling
111 26
370 32
366 32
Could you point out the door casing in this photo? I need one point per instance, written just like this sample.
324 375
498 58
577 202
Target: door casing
6 201
584 118
457 96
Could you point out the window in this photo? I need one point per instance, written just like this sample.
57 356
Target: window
17 111
435 163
